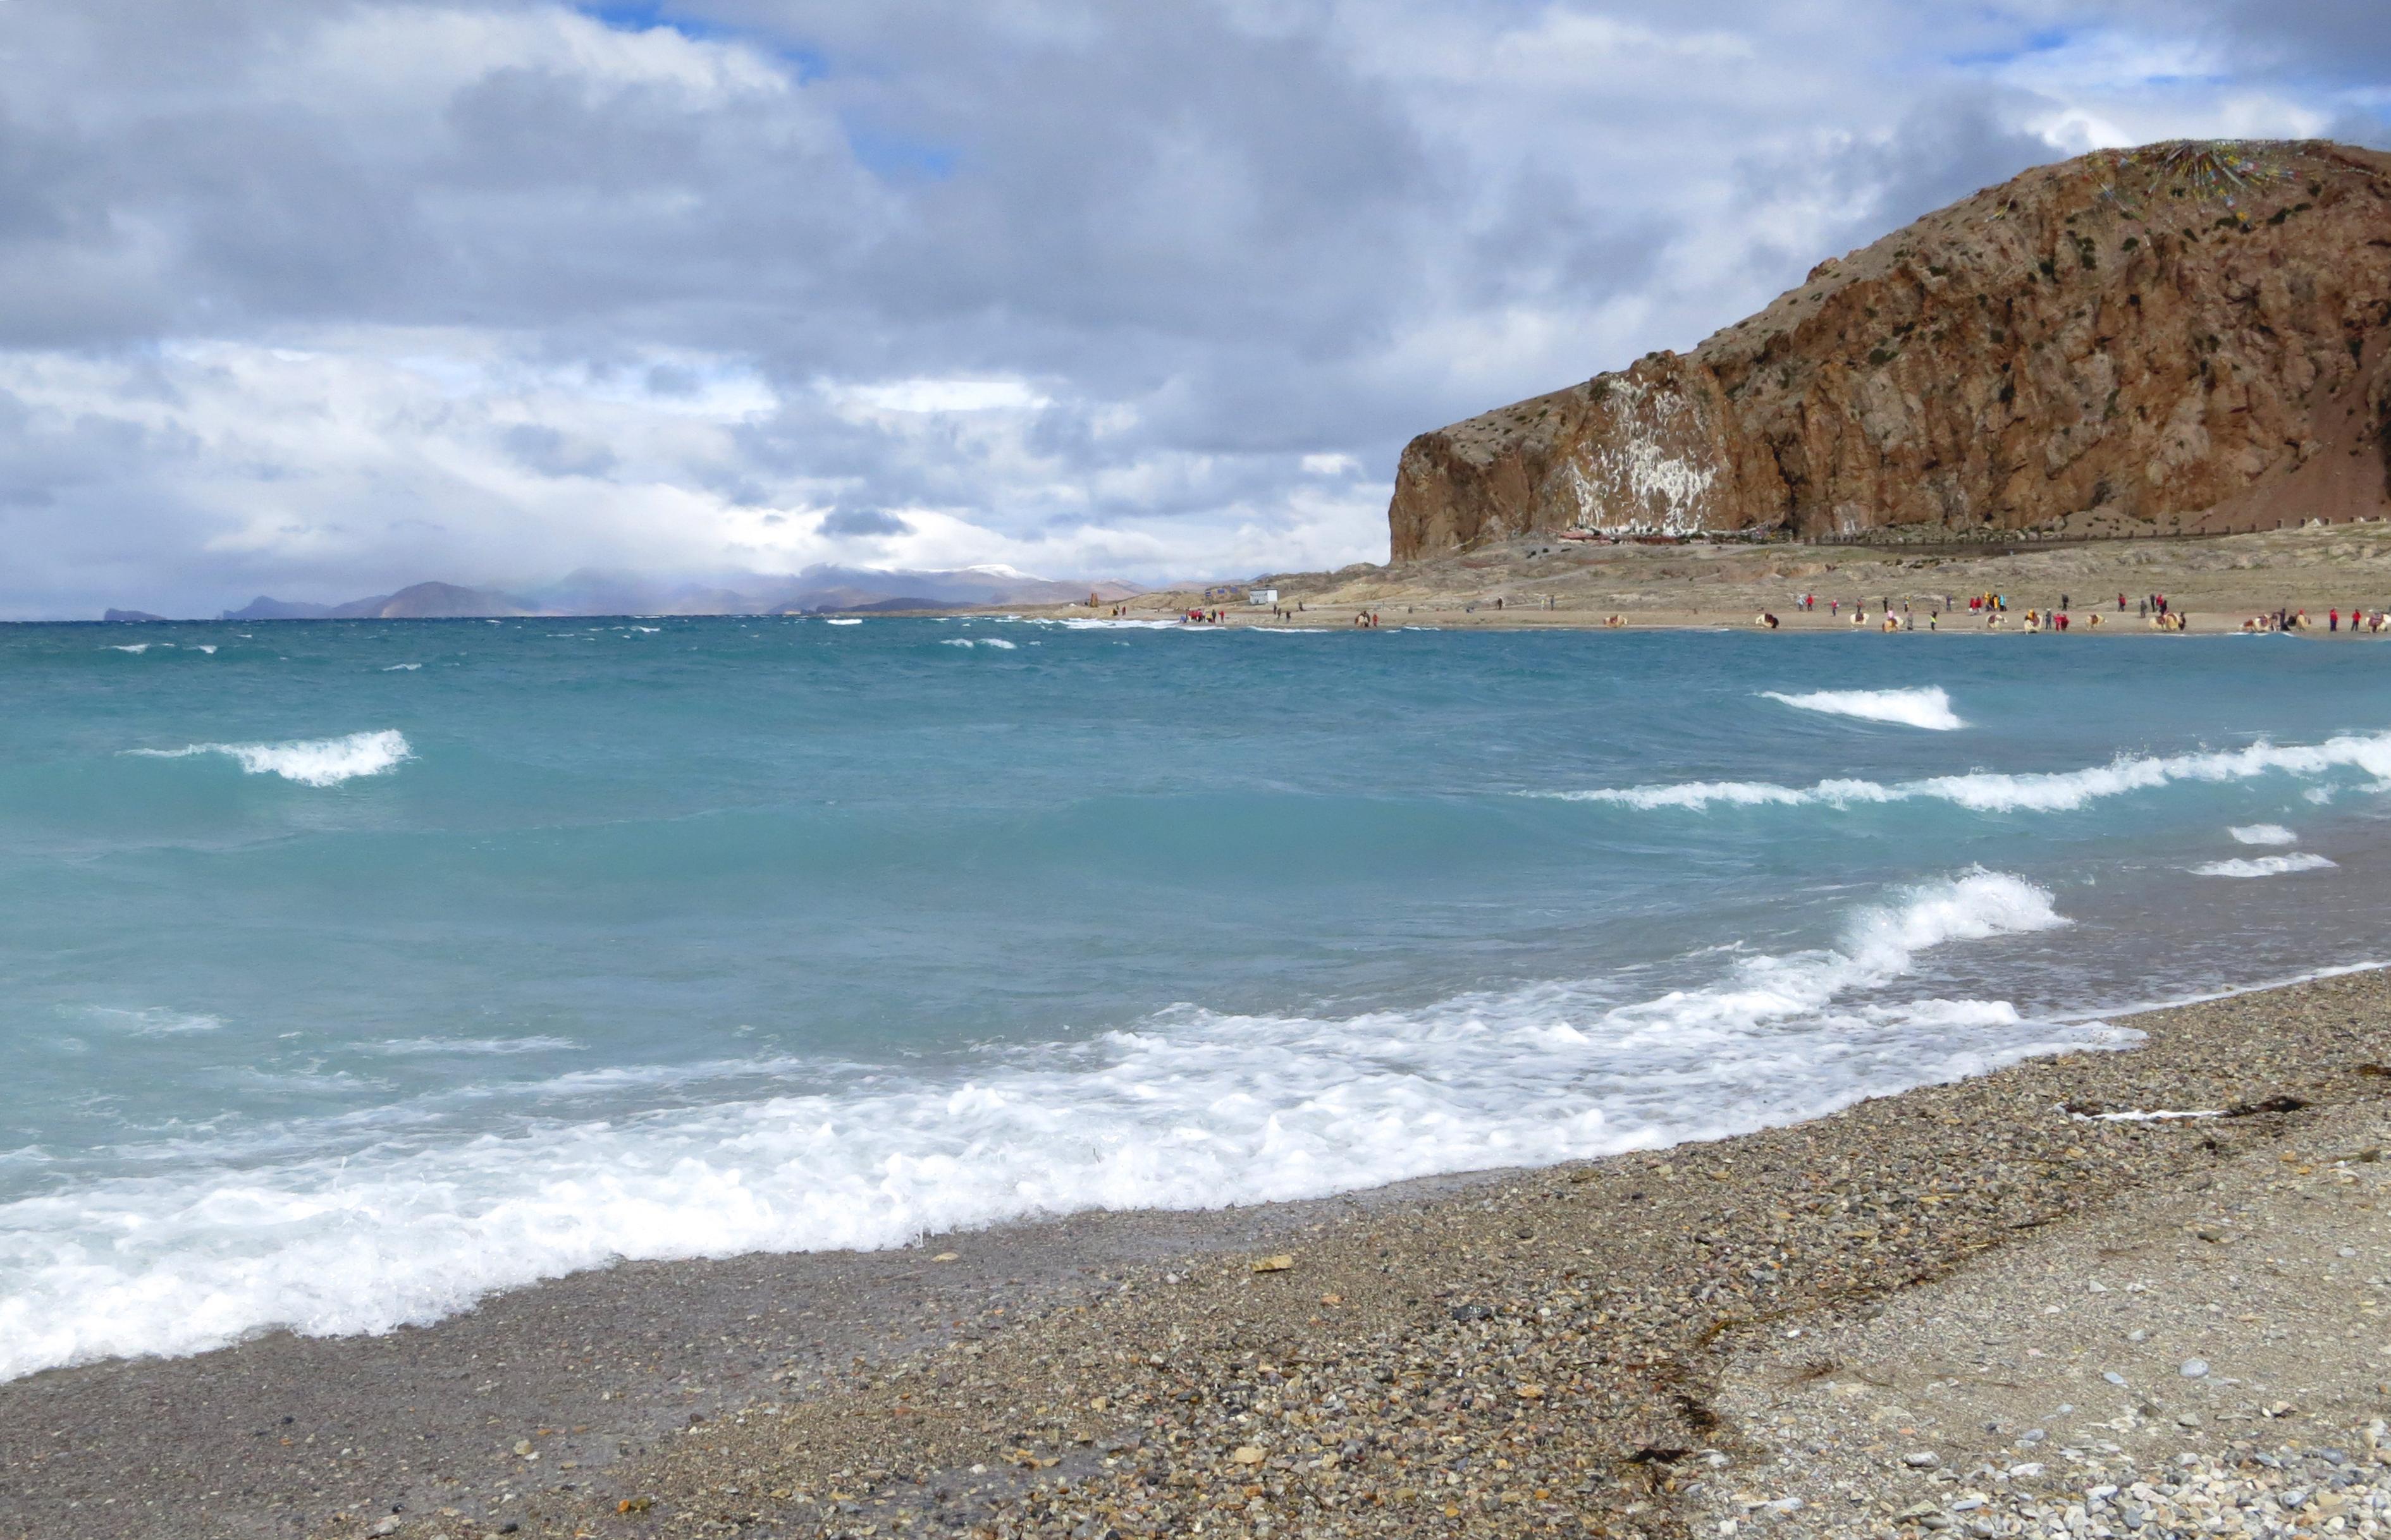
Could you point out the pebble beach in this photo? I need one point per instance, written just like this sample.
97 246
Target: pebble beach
1916 1315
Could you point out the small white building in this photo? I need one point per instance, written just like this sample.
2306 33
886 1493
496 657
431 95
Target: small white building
1261 596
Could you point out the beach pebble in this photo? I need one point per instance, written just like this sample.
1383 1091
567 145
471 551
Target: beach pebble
2195 1368
1922 1459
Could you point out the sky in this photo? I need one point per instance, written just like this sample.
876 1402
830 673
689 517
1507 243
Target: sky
320 298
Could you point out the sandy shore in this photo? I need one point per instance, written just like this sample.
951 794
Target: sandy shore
1605 1348
2217 583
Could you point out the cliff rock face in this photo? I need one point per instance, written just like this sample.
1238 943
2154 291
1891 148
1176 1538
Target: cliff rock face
2192 335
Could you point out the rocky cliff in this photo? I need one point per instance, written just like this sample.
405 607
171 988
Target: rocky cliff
2187 336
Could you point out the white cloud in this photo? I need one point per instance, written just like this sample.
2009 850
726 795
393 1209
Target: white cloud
942 396
323 300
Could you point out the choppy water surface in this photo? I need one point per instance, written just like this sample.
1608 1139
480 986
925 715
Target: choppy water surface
348 970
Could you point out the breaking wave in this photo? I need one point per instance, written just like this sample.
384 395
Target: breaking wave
1929 707
2264 834
310 761
1188 1109
1997 791
2264 866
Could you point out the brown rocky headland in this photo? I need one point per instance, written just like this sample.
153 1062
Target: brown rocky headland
2189 337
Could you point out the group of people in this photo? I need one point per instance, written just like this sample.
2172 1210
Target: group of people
1366 619
2360 618
1993 608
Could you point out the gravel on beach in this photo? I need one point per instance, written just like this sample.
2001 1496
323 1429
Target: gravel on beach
1541 1353
1595 1348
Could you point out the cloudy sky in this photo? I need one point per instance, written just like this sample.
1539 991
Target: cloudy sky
316 298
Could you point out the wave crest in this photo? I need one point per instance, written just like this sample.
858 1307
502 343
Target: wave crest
310 761
1189 1109
2039 791
1929 707
2264 866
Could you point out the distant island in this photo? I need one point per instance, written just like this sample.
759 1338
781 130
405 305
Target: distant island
816 590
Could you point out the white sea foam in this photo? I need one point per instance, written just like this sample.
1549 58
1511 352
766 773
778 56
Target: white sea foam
1190 1109
416 1045
2264 866
841 622
206 647
2264 834
137 648
1929 707
310 761
402 668
155 1021
997 642
2049 791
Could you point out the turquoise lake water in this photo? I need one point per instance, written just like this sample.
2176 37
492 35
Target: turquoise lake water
349 971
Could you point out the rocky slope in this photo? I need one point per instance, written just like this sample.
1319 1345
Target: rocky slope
2191 335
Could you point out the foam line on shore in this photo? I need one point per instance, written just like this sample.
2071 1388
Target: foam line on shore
2264 866
1189 1109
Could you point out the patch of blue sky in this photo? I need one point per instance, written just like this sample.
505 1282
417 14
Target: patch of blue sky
2048 40
642 16
898 157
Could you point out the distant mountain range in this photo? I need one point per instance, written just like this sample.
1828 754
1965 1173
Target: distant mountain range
815 590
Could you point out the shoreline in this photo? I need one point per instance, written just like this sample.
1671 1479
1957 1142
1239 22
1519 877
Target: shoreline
1339 619
1621 1285
2218 581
